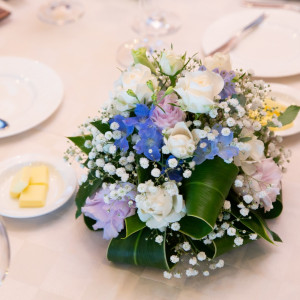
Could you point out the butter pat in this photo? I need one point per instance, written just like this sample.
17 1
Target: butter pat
39 175
20 182
33 196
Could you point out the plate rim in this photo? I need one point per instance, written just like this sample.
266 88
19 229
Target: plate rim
55 104
48 159
264 74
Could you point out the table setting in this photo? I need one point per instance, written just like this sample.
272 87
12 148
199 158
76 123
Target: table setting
149 149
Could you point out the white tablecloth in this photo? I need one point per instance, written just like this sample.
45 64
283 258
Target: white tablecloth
55 257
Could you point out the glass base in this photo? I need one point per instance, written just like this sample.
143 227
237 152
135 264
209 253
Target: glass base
60 12
124 56
157 24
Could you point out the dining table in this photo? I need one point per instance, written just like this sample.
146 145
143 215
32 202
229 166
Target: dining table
55 256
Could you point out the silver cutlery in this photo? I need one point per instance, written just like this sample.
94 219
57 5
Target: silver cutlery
233 41
272 4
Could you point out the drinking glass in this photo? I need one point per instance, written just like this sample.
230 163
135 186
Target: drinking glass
60 12
151 23
4 251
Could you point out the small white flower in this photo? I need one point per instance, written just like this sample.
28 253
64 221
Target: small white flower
97 173
248 198
238 241
88 144
120 172
175 226
231 231
174 259
225 131
225 226
212 236
114 126
125 177
203 145
173 163
207 242
238 183
230 122
112 149
142 188
159 239
186 246
197 123
244 211
211 137
202 133
254 206
205 273
123 161
130 158
110 169
201 256
83 178
213 113
129 167
187 174
91 164
191 272
193 261
227 204
92 155
155 172
220 233
256 126
167 275
117 135
192 164
108 135
165 149
234 102
144 162
177 275
220 263
99 148
253 236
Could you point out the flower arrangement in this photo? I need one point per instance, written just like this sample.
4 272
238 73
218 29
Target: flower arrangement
182 164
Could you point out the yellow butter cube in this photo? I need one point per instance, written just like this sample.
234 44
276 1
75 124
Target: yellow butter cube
19 182
39 175
33 196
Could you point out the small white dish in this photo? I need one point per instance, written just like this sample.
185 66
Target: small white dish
271 50
29 93
287 96
62 184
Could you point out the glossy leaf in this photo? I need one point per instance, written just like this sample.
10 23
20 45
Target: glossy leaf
140 249
86 190
289 115
102 127
133 224
79 142
204 193
275 211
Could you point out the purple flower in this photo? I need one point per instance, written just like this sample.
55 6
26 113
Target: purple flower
170 115
110 208
125 130
229 85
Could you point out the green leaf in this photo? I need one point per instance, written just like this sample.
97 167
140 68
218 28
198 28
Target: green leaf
85 191
204 193
289 115
143 174
241 98
89 222
245 139
150 85
169 91
132 93
102 127
133 224
80 140
139 249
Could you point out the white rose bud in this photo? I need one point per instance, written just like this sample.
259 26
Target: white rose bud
218 60
171 63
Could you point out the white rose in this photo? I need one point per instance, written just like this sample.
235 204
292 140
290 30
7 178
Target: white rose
134 78
180 142
218 60
198 89
171 63
161 207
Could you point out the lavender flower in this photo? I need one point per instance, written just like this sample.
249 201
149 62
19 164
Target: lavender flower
110 207
229 85
170 115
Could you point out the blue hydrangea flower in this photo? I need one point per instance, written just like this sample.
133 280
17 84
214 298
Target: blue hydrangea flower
150 143
220 147
142 120
126 130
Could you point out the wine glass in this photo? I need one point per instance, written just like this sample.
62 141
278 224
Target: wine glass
60 12
151 23
4 251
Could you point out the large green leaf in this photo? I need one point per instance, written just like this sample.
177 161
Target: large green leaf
85 190
140 249
133 224
102 127
289 115
204 193
80 140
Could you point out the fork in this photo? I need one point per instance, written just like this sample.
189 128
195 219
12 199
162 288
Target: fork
233 41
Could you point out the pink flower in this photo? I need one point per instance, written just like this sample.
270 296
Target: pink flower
110 211
171 114
268 178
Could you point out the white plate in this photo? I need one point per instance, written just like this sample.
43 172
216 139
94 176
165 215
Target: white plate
62 183
271 50
29 93
287 96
